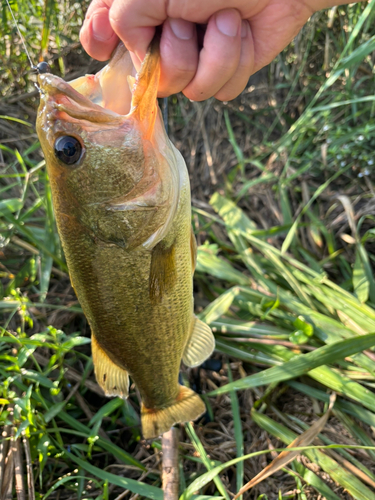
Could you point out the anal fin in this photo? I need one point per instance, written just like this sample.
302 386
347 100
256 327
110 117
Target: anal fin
155 421
113 379
201 344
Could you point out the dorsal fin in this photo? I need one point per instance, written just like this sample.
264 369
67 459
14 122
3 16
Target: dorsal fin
145 89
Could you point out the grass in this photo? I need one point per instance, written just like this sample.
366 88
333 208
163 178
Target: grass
284 278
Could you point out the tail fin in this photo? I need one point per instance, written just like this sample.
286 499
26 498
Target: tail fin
188 406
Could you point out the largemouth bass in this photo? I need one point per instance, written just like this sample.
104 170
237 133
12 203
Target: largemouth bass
121 197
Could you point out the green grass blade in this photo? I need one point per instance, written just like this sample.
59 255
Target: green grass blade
238 435
211 264
118 452
219 306
301 364
310 478
137 487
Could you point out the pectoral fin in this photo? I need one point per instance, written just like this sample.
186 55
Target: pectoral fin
163 273
201 344
112 379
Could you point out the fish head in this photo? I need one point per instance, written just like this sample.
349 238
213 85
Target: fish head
108 158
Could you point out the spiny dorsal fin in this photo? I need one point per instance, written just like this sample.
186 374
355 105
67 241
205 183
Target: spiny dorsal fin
112 379
201 344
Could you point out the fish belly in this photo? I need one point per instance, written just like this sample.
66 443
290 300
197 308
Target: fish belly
112 285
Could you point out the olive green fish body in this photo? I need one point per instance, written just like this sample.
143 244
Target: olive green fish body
122 203
113 287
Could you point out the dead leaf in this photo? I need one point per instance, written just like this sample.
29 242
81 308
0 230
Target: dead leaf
286 457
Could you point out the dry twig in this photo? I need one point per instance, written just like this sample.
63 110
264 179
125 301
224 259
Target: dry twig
170 464
7 482
4 445
18 469
29 468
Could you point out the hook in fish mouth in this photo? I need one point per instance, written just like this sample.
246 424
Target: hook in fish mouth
108 92
42 67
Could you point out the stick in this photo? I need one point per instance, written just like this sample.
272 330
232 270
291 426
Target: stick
4 445
18 469
29 467
169 446
7 484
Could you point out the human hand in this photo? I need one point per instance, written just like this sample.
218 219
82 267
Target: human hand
241 37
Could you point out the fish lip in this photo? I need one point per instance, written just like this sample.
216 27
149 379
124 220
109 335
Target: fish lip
52 86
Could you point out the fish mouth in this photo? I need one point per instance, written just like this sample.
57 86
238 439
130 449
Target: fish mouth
116 94
101 98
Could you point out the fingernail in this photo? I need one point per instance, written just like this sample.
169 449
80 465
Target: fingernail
181 28
227 22
101 29
244 25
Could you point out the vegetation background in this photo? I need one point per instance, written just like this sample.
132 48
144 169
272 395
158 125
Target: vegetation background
283 210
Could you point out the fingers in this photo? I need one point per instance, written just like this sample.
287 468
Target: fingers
134 22
236 84
202 75
179 56
274 27
97 36
220 56
232 49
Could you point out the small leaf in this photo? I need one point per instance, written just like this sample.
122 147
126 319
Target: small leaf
38 377
298 337
360 282
53 411
75 341
10 206
303 325
106 410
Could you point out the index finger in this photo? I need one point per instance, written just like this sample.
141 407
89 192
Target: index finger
134 22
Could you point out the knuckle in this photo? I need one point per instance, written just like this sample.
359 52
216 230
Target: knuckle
231 90
183 65
225 95
117 21
195 95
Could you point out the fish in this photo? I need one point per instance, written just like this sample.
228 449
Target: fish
122 205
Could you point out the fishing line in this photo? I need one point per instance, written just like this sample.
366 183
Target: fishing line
33 67
164 110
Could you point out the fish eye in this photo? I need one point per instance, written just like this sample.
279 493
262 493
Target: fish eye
68 149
